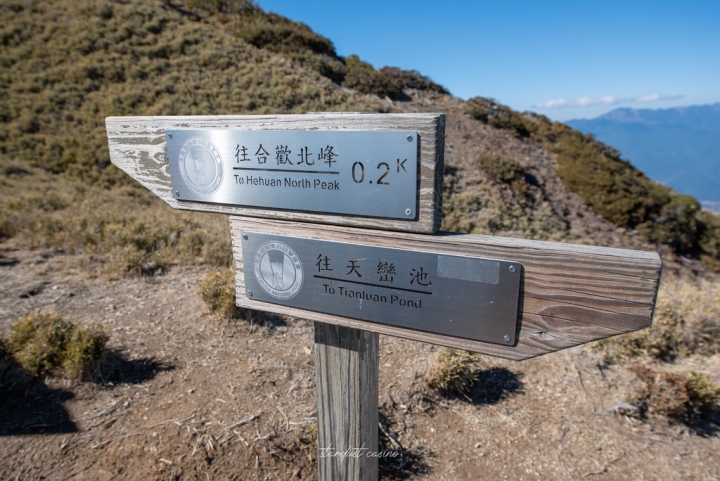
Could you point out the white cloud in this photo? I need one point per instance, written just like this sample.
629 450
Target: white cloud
552 103
609 100
648 98
656 97
605 100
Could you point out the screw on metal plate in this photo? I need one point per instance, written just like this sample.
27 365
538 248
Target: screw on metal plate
245 237
409 138
408 211
506 338
169 136
249 293
511 268
177 193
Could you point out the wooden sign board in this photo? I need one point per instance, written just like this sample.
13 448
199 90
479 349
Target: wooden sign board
569 294
458 296
279 166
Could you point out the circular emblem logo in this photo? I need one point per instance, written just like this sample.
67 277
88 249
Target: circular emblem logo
201 165
278 270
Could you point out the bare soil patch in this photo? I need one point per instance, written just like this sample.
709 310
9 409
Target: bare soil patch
190 396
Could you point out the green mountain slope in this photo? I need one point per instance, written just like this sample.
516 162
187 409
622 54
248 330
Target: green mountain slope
66 65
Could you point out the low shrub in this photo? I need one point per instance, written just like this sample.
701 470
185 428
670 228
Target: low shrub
276 33
499 116
452 372
218 292
704 394
85 352
46 344
680 397
386 82
362 77
411 79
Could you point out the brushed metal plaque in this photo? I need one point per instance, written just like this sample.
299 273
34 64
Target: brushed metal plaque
362 173
458 296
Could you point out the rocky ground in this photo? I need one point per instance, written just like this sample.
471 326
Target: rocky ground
186 395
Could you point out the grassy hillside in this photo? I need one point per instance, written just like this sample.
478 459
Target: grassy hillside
66 65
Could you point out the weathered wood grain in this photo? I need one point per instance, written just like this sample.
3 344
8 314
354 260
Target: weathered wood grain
346 373
570 294
138 147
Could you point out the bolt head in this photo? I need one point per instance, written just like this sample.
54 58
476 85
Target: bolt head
409 138
169 136
177 194
250 294
408 211
245 237
506 338
511 268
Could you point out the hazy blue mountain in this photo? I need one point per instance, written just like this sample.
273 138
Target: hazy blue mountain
679 147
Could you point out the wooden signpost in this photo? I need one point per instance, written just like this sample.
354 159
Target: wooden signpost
139 146
334 218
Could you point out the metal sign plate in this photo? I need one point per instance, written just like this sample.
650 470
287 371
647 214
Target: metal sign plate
363 173
464 297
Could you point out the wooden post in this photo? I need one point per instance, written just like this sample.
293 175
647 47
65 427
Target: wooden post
346 372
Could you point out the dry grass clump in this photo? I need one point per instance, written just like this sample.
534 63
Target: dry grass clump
46 344
686 322
218 292
679 397
452 372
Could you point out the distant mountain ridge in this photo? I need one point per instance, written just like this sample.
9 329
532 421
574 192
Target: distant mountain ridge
679 147
700 117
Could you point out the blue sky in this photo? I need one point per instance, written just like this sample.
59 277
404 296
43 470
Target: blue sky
564 59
